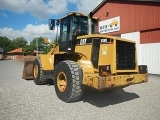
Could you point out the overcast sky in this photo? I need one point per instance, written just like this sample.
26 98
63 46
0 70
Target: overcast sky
25 17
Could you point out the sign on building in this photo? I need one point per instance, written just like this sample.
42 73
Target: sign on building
109 25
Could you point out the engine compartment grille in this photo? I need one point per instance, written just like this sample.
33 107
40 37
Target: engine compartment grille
125 55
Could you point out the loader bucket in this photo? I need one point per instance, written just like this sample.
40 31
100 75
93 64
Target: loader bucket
28 68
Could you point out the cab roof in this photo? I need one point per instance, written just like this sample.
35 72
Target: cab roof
76 14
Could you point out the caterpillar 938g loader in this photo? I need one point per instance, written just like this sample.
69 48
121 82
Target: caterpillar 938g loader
85 59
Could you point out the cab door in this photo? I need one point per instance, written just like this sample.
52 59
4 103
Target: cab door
66 35
63 34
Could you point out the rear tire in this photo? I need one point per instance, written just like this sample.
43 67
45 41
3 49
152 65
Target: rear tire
38 74
68 81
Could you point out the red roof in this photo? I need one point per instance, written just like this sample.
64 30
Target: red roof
18 50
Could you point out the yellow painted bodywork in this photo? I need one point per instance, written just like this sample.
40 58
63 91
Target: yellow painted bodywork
92 79
47 61
107 52
85 51
107 56
86 66
100 83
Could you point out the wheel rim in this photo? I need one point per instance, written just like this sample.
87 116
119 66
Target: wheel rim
62 81
35 71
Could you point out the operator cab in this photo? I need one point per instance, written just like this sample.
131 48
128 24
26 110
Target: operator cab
72 26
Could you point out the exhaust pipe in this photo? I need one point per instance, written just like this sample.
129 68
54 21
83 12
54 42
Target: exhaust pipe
90 15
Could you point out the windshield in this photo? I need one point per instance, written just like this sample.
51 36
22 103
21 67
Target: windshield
81 23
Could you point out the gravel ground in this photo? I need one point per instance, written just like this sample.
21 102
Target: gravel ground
23 100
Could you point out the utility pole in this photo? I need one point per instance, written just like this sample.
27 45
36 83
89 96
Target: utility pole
36 38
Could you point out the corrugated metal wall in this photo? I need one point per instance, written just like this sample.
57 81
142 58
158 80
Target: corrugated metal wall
150 55
150 36
150 50
134 16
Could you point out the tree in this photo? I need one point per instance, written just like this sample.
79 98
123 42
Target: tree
47 48
19 42
28 50
5 43
40 42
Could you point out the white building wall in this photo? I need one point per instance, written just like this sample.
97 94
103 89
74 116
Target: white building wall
148 54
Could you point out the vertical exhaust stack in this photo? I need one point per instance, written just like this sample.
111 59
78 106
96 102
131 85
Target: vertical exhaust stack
90 15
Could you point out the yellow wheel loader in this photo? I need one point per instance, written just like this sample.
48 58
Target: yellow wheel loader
83 58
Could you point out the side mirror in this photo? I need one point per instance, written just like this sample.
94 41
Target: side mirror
51 24
46 40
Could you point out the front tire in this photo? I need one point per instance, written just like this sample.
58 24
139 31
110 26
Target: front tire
38 74
68 81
